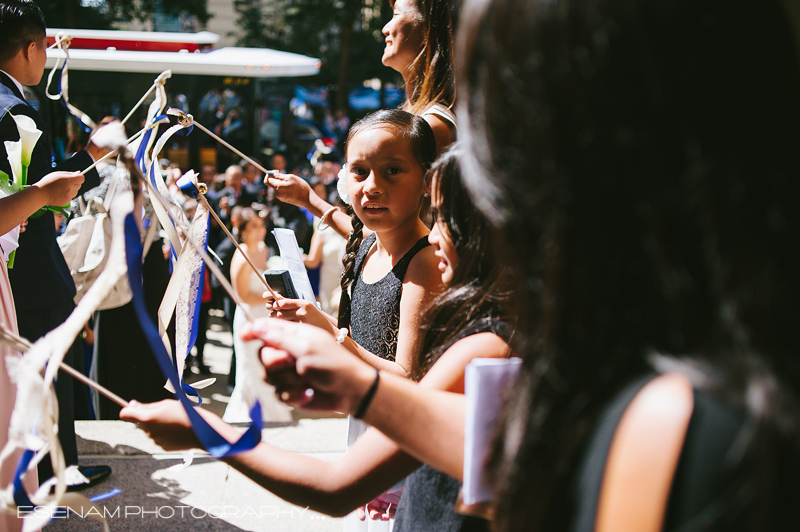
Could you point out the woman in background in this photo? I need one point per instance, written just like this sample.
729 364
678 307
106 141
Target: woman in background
419 45
248 287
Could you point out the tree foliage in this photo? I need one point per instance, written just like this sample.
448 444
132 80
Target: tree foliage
323 29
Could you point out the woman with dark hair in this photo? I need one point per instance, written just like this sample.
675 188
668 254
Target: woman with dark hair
473 310
419 45
637 161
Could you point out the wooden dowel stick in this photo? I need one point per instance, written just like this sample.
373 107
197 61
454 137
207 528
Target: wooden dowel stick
23 344
89 382
141 100
234 150
204 201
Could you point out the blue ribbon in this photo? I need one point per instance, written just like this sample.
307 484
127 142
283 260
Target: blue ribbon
107 495
187 186
21 498
212 441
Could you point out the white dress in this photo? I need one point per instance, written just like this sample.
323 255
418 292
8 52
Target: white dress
247 362
330 270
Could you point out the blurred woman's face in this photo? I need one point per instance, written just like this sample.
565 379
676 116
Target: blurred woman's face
255 230
404 37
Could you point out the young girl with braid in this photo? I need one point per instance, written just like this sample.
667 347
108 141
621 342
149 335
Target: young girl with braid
390 272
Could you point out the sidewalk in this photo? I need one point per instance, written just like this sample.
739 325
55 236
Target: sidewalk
208 495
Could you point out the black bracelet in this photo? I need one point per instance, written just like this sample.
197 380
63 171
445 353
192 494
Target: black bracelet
367 399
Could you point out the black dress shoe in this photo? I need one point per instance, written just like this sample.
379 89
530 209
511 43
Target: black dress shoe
94 475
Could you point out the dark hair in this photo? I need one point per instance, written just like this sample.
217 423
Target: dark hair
478 290
433 80
423 146
638 161
245 215
21 23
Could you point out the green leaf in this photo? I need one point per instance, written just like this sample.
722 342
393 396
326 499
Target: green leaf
7 184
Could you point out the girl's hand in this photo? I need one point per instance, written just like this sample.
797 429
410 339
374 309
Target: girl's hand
60 187
290 188
165 422
302 311
300 357
269 302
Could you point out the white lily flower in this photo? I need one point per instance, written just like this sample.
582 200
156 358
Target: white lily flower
14 152
28 134
341 184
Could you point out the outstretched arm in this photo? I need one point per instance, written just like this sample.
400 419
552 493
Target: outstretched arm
299 357
373 465
292 189
56 188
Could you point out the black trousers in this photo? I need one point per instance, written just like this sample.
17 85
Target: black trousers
33 324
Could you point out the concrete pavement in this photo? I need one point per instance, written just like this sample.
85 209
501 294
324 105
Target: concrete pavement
208 495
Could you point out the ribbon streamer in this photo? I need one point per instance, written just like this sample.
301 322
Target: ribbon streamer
190 187
35 415
212 441
184 293
22 345
62 43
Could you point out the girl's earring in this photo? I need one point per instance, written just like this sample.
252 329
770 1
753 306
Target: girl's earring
425 195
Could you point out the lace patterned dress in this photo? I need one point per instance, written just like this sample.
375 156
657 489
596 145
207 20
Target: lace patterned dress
375 326
375 314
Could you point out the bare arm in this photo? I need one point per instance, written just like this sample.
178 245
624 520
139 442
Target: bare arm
314 257
374 463
421 284
644 455
240 280
56 188
292 189
425 422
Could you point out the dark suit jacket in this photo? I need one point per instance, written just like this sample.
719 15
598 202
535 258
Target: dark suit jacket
40 277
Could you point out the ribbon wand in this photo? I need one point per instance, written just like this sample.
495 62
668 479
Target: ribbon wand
204 201
206 258
23 345
189 185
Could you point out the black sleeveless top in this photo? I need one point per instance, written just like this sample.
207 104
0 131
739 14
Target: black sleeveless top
429 495
708 488
375 308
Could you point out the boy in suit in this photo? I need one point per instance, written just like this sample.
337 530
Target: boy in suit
41 281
